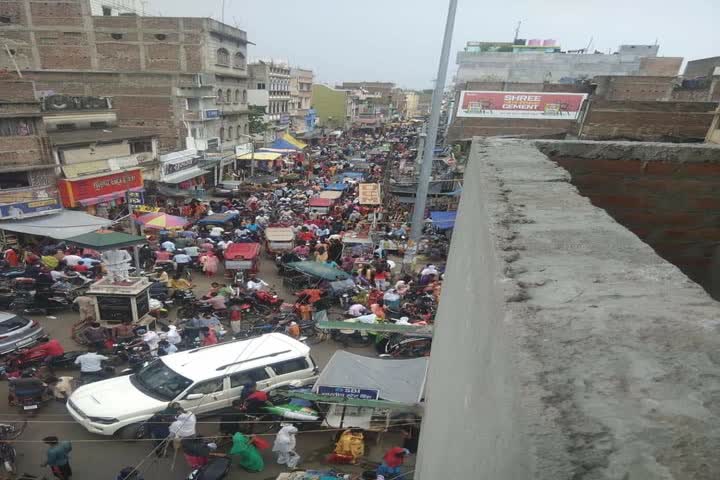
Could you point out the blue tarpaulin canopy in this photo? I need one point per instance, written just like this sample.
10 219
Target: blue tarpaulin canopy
218 219
338 187
281 145
443 220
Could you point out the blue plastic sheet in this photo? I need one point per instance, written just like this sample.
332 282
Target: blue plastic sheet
443 220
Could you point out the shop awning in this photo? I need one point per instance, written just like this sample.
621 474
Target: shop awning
265 156
101 199
184 175
106 240
60 226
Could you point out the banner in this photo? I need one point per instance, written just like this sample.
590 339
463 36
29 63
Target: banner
369 193
73 191
29 202
539 106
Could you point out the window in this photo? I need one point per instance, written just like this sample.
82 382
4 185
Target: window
223 57
220 96
160 36
261 86
237 135
141 146
237 96
17 127
117 36
98 124
107 11
239 60
230 133
206 388
222 134
14 180
249 376
64 127
290 366
244 96
228 98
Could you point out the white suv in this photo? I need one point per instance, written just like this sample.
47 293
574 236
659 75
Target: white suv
203 380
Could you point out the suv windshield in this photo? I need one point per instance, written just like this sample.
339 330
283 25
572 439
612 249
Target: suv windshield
160 381
12 324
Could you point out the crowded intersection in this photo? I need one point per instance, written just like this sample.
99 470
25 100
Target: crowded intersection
277 326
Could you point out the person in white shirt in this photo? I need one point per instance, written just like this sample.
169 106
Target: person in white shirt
168 245
151 339
216 232
255 283
184 425
57 275
171 334
71 260
357 309
224 244
90 363
429 270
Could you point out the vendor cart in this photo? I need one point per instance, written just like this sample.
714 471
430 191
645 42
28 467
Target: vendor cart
320 206
240 259
279 240
224 220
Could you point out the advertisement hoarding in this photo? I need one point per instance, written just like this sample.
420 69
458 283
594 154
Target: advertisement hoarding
532 105
29 202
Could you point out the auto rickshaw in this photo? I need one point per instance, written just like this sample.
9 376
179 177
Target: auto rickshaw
240 259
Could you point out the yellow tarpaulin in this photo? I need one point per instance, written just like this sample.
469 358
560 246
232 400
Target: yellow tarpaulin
267 156
290 139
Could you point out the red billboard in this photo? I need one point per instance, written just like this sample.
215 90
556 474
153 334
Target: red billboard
545 106
73 191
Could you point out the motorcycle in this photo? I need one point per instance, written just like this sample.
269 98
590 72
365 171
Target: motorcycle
216 469
8 455
269 299
16 362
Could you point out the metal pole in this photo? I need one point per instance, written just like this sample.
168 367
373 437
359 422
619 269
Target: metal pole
252 158
136 249
421 196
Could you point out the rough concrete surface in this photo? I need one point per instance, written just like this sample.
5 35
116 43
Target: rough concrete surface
645 151
602 359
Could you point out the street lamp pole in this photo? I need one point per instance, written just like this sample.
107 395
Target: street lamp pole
418 217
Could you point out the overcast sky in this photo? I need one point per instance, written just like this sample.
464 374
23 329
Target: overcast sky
400 40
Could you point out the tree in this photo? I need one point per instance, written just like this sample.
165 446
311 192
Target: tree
256 120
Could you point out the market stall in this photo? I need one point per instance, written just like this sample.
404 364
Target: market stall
368 393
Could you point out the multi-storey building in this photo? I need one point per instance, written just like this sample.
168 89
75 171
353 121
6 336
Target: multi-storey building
270 82
184 77
301 117
27 169
110 8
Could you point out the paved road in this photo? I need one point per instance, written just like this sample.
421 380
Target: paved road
98 458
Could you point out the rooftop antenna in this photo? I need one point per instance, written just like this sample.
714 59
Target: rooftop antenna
587 49
222 15
517 30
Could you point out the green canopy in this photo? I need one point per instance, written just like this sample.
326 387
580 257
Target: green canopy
106 240
320 270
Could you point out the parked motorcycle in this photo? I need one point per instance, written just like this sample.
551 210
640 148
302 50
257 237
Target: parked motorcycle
216 469
8 433
14 363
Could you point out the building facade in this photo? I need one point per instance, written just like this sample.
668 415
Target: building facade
333 107
544 61
27 169
272 84
184 77
301 81
111 8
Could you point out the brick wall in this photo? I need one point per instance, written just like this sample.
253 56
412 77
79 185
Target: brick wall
20 151
648 121
17 90
673 207
466 128
56 13
14 10
636 88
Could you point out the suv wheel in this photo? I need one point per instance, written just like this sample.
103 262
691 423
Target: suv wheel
132 432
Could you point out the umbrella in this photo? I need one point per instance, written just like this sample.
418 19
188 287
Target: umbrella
162 221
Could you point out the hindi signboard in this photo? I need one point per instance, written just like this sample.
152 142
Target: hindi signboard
348 392
369 193
532 105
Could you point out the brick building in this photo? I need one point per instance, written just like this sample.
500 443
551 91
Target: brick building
27 169
184 77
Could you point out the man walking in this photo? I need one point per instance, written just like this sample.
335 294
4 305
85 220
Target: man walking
58 458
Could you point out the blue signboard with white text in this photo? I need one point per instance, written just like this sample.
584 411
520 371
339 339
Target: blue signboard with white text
348 392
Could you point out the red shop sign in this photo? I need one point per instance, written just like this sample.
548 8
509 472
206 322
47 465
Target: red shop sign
72 191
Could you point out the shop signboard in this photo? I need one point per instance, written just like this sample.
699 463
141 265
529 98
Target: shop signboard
210 114
136 197
243 149
348 392
369 193
29 202
72 191
530 105
175 162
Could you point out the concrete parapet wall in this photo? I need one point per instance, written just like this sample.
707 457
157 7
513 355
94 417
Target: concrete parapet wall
565 347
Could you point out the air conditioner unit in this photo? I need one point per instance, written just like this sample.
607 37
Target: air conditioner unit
80 121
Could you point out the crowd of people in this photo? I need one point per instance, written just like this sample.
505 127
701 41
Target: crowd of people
175 255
